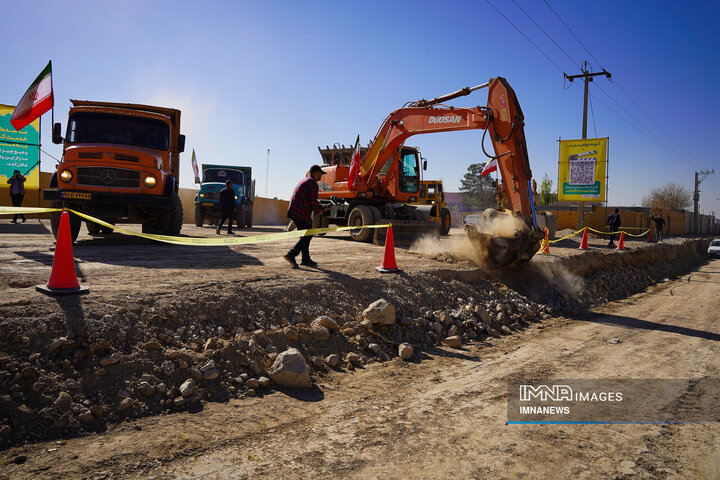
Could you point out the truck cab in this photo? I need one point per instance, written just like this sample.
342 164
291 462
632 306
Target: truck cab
120 163
207 203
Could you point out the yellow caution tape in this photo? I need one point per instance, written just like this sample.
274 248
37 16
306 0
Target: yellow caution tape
207 242
566 236
22 210
602 233
618 232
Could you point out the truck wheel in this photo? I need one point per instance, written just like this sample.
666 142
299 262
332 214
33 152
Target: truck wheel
199 215
176 216
240 216
170 221
107 230
445 221
92 227
75 223
249 217
359 216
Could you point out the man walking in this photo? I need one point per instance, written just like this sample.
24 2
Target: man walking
659 224
227 207
613 222
302 204
17 192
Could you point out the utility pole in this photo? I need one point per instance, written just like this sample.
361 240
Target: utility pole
696 195
267 173
588 77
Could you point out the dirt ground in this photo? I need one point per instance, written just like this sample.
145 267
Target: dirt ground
441 415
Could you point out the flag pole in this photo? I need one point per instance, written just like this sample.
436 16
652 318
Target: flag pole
52 102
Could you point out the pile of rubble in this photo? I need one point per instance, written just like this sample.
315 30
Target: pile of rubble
59 379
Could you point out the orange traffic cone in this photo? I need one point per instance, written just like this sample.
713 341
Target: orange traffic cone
545 245
63 280
650 236
621 242
388 264
583 242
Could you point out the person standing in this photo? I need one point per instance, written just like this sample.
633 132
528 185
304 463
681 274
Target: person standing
303 203
659 224
227 207
17 192
613 222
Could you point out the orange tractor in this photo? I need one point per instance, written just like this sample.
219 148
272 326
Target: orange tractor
388 180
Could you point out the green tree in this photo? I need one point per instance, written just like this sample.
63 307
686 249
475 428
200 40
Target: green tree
547 196
476 189
670 195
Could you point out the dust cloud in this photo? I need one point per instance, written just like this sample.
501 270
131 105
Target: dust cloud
454 247
501 225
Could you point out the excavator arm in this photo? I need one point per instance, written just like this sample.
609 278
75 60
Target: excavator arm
502 119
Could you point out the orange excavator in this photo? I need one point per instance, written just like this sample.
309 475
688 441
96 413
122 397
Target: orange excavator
388 178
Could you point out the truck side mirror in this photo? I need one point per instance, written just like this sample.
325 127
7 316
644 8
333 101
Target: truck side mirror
181 143
424 164
56 134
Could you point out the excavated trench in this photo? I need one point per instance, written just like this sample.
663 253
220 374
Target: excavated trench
61 377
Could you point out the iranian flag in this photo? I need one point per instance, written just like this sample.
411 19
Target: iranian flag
196 171
354 164
37 100
489 167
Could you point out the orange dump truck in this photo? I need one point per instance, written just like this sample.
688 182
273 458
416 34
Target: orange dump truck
120 164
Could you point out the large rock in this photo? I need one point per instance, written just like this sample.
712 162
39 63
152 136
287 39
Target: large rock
405 351
290 370
325 321
380 311
187 388
453 342
319 333
63 402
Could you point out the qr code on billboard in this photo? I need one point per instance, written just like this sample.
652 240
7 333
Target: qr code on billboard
582 171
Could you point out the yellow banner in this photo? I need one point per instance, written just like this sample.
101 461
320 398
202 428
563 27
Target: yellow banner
582 168
204 242
19 150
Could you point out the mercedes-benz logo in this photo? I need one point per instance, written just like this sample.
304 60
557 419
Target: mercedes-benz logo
108 177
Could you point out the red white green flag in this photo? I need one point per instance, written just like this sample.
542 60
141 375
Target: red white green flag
37 100
489 167
196 171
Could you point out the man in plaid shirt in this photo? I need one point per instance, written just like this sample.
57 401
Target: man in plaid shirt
302 204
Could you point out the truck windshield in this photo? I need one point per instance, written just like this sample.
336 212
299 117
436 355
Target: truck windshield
88 127
223 175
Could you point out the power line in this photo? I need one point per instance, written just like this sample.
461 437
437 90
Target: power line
688 155
573 34
546 34
526 37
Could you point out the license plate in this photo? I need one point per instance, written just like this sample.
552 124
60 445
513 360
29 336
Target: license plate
76 195
207 204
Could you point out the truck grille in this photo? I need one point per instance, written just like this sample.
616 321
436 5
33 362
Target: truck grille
108 177
212 195
90 155
126 158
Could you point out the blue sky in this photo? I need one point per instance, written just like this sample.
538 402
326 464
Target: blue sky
290 76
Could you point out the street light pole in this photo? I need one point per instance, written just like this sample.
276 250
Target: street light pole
267 173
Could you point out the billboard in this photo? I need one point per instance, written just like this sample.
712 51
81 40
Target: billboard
24 155
582 167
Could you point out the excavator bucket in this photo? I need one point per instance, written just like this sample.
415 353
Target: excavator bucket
503 239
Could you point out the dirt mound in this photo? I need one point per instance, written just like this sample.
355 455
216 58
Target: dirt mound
68 368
